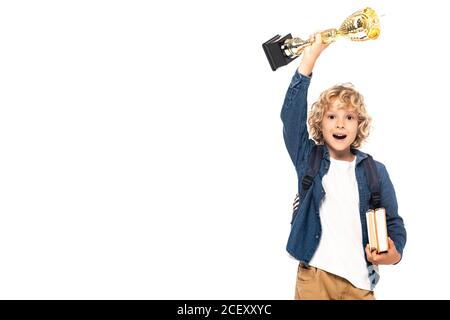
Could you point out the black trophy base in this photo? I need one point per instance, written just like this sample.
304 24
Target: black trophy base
274 54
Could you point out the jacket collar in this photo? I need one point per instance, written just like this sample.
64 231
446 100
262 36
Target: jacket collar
360 156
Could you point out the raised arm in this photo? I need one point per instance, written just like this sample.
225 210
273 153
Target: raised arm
294 111
311 54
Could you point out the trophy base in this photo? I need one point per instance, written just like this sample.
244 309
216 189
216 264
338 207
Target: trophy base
273 51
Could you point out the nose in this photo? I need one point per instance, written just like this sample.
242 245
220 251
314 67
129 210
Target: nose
340 126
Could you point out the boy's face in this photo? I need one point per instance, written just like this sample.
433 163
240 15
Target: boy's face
339 128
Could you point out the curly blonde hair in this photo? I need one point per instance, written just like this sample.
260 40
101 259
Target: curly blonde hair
351 99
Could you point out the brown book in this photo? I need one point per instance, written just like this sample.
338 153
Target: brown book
377 229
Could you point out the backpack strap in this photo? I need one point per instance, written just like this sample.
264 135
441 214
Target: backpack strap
315 158
370 170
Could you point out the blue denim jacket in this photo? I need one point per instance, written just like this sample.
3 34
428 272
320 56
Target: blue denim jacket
306 227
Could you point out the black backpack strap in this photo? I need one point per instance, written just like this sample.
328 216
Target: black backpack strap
372 180
315 158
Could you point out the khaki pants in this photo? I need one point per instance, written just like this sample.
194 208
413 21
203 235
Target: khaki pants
316 284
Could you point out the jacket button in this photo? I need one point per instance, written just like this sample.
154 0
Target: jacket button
317 236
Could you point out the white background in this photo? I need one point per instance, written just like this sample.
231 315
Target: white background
141 149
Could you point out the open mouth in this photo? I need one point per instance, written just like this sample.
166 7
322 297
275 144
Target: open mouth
339 136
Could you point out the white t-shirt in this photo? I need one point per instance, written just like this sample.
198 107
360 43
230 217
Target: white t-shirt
340 249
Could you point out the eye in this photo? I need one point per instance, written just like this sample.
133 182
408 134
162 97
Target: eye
350 117
331 117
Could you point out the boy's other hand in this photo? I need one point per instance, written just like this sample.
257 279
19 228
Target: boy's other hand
392 256
311 53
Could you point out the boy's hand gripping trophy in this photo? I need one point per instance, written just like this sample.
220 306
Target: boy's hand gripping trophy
360 26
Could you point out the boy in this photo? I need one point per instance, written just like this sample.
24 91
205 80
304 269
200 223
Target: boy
329 234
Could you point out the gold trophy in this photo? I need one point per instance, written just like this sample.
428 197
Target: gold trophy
360 26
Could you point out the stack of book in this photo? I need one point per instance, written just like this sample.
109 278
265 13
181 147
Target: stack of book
377 229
